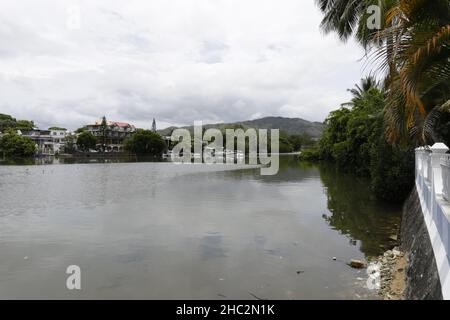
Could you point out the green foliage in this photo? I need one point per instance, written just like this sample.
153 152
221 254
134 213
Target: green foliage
354 140
80 130
8 122
285 144
353 210
24 125
311 154
4 117
392 172
103 131
14 146
146 142
441 123
298 141
413 47
86 141
57 128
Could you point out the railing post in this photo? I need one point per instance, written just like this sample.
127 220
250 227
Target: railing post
433 187
419 166
418 154
445 168
438 150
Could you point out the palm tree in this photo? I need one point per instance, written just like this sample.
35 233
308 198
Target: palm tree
413 49
360 91
420 86
365 85
349 18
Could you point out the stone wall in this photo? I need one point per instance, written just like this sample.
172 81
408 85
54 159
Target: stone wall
422 275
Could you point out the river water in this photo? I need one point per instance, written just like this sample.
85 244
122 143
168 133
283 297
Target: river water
163 231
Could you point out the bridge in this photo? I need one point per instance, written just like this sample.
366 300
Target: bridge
433 188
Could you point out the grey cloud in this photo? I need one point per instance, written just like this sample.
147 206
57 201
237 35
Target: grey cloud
212 51
202 61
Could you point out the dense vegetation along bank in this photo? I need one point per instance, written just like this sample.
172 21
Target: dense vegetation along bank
409 50
354 140
375 133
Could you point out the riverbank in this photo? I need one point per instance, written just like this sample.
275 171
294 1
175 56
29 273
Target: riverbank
392 266
409 272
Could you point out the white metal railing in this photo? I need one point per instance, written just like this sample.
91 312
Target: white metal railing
433 187
445 167
429 169
423 164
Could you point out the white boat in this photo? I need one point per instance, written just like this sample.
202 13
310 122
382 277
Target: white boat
240 154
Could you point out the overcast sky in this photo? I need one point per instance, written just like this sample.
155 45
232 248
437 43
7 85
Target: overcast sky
175 60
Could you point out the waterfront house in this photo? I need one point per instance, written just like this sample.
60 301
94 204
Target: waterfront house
115 134
43 139
58 136
48 142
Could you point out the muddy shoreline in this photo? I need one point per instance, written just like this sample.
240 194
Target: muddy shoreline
392 267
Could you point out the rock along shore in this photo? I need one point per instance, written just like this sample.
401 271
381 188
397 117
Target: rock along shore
393 265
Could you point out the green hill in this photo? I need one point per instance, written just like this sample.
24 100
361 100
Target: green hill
292 126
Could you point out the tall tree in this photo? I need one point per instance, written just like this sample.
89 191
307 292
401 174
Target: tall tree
412 48
349 18
104 132
86 140
146 142
360 90
419 91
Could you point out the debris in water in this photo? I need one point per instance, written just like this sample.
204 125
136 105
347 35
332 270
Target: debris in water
358 264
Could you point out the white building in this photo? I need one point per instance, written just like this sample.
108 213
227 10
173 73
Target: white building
58 137
48 142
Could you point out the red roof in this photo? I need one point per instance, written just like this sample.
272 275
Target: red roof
116 123
121 124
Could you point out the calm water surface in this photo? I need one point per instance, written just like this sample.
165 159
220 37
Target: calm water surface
164 231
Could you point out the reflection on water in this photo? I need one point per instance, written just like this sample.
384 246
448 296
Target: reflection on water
159 230
355 212
77 160
352 208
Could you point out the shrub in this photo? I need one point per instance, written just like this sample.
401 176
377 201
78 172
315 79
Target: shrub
14 146
146 142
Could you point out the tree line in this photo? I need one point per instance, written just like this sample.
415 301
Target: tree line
375 134
410 51
12 144
354 140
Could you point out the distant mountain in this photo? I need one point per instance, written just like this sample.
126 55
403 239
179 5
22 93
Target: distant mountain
288 125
